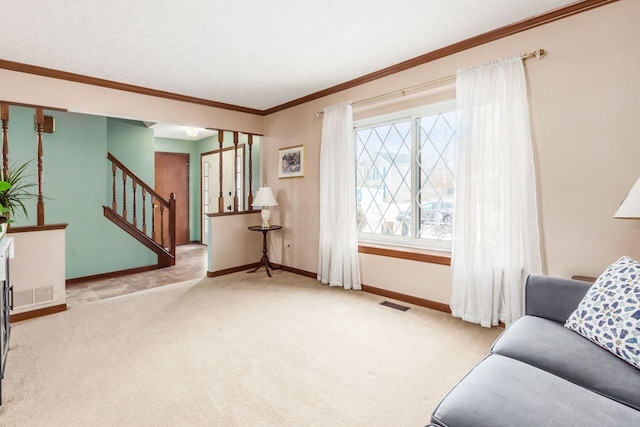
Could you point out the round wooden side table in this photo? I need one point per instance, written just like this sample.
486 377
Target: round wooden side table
265 258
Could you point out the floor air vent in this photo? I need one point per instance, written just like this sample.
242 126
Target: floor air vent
394 305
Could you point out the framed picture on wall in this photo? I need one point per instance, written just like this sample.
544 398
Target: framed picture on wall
291 163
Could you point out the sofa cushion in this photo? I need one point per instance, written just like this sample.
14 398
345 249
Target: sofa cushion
501 391
550 346
609 314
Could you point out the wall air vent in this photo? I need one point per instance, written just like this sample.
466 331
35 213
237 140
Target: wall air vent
32 296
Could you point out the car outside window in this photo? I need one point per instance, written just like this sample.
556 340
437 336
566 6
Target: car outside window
404 177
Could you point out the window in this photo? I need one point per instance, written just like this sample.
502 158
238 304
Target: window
404 177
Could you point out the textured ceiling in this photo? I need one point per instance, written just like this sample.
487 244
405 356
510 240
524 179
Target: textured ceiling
255 54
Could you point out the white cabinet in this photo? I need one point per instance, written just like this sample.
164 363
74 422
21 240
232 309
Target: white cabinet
6 297
38 272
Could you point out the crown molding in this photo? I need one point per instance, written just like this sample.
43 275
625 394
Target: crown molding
94 81
499 33
508 30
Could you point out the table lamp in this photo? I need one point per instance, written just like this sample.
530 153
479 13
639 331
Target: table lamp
265 199
630 207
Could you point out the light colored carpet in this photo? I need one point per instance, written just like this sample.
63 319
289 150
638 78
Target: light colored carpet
237 350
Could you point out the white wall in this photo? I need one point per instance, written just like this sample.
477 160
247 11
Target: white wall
39 262
584 96
81 98
231 244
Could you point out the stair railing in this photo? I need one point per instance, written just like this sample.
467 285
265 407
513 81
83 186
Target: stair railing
157 220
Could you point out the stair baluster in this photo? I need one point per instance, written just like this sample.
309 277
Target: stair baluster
134 219
153 220
113 172
162 226
124 195
165 245
144 211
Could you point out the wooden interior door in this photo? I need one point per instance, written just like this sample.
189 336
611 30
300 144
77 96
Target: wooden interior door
172 176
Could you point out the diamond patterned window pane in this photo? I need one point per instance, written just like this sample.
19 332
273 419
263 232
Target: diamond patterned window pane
406 169
435 161
383 177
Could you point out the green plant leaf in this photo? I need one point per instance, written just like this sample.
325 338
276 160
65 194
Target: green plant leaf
20 189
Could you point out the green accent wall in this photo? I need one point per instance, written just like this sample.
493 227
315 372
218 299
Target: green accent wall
78 181
133 144
75 185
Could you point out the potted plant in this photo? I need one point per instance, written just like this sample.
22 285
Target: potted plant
4 186
14 191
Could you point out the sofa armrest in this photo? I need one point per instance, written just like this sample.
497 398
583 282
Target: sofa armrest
553 298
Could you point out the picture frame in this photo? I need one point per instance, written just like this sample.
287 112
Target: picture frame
291 162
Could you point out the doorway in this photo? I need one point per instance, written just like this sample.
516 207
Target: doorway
172 176
232 175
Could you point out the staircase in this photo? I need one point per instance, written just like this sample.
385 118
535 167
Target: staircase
148 217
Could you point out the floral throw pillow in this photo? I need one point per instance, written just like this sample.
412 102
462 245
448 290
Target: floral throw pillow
609 314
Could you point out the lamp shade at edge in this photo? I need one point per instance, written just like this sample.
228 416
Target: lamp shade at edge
630 207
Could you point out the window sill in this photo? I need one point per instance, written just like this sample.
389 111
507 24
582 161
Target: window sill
421 255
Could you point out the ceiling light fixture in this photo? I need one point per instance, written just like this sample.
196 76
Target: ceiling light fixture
192 132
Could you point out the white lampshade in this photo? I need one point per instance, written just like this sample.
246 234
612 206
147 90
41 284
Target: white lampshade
265 198
630 207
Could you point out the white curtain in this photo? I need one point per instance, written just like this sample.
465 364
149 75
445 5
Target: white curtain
496 238
338 264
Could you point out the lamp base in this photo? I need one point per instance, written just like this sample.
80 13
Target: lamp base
265 217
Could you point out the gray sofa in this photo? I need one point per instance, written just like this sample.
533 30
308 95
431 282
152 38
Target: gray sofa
540 373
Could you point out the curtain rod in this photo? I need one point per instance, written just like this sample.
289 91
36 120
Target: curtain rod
538 54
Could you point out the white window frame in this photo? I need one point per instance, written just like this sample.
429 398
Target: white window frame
411 114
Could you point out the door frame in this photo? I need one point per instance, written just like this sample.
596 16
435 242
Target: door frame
187 156
241 147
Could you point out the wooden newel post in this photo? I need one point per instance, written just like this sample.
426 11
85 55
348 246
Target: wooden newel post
250 198
235 171
5 140
220 196
172 226
39 129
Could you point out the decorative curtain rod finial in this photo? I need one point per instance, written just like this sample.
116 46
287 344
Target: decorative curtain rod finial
538 54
